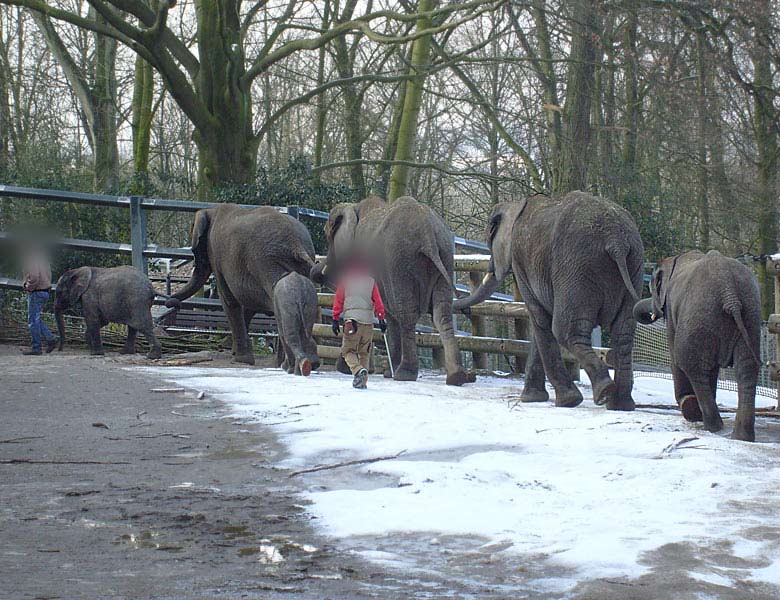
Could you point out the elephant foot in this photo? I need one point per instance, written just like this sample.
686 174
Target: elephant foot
97 353
535 395
283 366
713 425
388 374
154 354
459 378
744 433
127 350
305 367
246 359
568 398
402 374
690 409
624 404
603 391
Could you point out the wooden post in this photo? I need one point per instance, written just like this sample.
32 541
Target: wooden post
777 335
477 322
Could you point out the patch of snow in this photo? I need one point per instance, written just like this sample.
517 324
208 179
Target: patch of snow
580 488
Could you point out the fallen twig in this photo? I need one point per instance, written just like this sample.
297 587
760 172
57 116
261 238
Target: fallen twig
676 445
20 440
349 463
183 362
167 390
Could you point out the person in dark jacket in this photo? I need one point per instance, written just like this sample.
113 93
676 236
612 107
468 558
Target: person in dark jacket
37 283
357 301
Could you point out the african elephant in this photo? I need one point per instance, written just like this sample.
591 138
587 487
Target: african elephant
712 307
116 295
248 250
295 307
411 253
577 262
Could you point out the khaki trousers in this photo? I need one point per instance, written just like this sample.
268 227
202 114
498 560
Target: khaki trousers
356 347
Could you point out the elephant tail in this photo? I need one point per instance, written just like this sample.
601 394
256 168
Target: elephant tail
618 255
734 308
432 254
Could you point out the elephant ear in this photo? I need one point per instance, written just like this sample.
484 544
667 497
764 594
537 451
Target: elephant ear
661 282
340 229
74 283
499 236
200 230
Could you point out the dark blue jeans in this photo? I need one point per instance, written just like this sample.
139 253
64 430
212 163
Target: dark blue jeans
38 329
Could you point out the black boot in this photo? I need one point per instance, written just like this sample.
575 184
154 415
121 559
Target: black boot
51 345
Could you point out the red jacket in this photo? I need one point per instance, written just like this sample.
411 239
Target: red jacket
338 302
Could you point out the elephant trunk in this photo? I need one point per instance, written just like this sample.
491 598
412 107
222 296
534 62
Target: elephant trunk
60 318
195 284
488 287
644 312
318 272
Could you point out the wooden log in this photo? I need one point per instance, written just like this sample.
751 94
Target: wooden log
477 321
472 262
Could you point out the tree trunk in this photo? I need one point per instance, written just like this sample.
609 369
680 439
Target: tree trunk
766 145
322 107
227 146
384 170
575 148
407 129
143 95
702 176
104 131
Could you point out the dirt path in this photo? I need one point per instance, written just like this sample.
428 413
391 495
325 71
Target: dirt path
183 504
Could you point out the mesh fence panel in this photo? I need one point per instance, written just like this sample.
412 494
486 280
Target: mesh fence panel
651 359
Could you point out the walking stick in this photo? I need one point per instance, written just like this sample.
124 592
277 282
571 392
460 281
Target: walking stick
389 358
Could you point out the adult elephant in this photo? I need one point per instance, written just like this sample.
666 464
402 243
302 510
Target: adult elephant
249 251
411 252
578 263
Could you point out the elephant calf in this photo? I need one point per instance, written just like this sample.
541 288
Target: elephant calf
295 307
116 295
712 307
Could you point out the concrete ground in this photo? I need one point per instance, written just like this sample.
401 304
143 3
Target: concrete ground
109 489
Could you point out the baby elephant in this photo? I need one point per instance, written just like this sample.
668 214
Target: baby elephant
712 307
295 307
117 295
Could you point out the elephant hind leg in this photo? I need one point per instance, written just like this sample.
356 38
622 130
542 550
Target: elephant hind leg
237 319
442 319
747 376
703 388
408 368
575 335
622 348
155 350
129 347
534 389
393 344
566 393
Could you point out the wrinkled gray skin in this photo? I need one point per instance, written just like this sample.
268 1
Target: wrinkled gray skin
248 250
411 254
117 295
712 307
577 262
295 307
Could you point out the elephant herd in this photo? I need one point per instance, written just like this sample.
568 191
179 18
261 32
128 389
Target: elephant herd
577 261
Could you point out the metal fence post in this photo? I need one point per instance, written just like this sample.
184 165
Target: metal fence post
138 233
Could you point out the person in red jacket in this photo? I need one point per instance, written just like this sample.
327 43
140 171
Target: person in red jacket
357 301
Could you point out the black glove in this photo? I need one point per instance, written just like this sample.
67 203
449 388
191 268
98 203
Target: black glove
382 325
335 326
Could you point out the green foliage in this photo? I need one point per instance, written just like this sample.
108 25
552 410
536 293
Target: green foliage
291 185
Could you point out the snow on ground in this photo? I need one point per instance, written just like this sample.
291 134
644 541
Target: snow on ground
589 491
